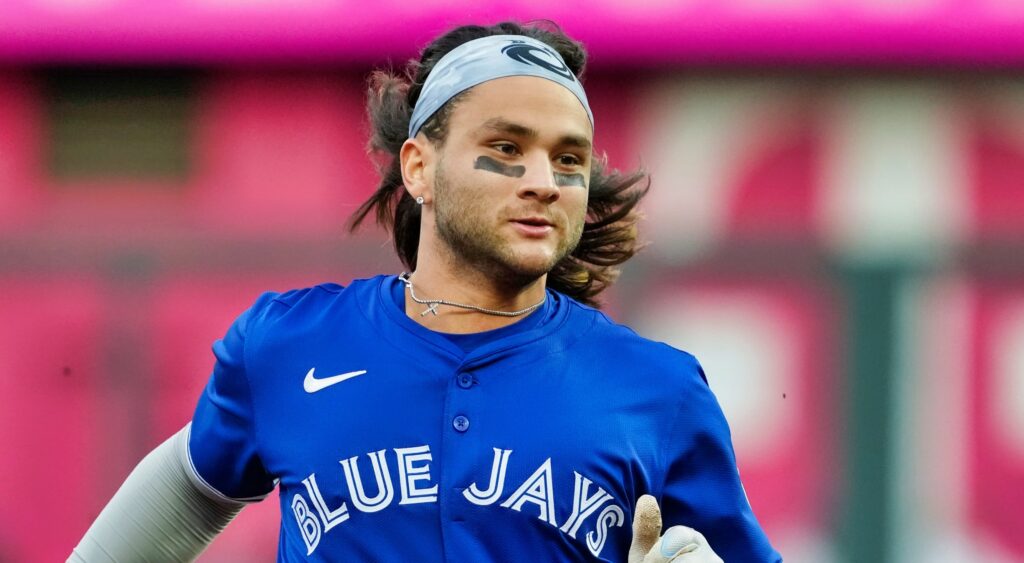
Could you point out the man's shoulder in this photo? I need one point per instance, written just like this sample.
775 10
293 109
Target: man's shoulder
304 296
275 306
622 345
626 339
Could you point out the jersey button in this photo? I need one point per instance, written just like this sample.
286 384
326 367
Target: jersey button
461 423
464 380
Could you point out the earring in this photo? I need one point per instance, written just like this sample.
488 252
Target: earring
419 200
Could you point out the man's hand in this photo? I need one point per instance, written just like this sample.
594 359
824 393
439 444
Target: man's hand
679 544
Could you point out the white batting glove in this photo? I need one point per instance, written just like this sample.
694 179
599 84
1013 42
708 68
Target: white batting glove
679 544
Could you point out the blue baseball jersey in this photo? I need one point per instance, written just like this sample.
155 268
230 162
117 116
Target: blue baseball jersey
392 442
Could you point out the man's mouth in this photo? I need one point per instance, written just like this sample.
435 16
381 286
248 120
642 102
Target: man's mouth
533 226
534 221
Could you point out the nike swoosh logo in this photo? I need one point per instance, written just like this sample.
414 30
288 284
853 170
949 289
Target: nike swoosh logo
312 384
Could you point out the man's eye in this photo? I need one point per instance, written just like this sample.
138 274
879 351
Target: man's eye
507 148
568 160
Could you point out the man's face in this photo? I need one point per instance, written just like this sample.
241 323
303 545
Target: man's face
511 182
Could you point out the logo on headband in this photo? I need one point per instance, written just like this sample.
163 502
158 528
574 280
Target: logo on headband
538 56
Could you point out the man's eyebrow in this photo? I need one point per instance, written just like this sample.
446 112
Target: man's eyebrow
575 141
502 125
505 126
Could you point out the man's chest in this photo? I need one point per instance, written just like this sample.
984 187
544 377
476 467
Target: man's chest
535 445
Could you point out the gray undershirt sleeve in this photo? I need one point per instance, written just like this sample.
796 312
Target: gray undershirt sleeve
158 514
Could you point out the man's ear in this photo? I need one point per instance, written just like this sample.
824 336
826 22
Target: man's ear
417 157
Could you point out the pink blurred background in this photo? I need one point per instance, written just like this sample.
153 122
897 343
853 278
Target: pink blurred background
837 229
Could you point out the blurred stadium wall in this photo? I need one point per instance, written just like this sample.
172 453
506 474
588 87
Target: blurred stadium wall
837 229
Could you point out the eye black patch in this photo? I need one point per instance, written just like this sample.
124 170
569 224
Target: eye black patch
489 164
570 180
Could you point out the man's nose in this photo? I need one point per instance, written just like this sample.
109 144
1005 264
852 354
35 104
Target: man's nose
539 181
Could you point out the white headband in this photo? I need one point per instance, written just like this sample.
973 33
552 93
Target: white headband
488 58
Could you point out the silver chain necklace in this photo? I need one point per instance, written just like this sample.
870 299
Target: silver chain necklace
433 303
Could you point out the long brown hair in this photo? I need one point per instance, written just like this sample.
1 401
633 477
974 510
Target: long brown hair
609 234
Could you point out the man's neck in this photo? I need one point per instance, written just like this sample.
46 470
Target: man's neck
434 279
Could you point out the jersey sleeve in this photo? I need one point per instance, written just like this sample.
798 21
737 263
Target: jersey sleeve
222 448
702 484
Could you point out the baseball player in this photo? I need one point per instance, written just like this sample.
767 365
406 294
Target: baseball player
476 408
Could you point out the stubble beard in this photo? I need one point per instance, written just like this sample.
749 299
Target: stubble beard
473 242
